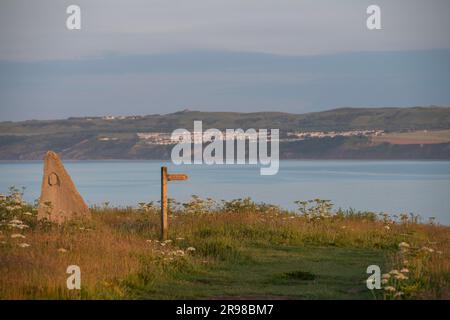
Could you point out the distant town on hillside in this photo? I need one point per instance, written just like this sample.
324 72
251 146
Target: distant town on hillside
346 133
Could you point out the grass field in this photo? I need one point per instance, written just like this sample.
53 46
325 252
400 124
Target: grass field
414 137
236 249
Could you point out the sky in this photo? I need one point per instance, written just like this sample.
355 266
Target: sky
160 56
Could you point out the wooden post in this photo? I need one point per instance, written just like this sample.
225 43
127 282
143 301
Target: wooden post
164 207
164 226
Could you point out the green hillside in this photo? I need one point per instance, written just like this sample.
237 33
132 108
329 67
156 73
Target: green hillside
393 119
81 138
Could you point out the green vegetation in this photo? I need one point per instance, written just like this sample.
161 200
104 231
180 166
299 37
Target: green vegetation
389 119
236 248
82 138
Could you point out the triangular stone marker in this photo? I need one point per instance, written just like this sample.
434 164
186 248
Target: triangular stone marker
60 200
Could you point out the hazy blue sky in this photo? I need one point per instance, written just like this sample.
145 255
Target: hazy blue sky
160 56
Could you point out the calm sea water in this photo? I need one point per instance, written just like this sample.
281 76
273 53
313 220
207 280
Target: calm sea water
420 187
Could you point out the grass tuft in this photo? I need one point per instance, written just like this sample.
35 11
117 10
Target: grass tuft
300 275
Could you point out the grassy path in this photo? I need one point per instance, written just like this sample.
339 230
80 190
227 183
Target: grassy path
284 272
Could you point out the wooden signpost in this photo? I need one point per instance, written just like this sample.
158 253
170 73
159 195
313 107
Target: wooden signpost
164 178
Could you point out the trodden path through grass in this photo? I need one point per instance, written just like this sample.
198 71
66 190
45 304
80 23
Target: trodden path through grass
278 272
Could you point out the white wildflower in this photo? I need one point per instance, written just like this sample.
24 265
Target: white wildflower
18 226
404 270
190 249
389 289
394 272
179 253
385 276
62 250
403 245
401 276
24 245
17 235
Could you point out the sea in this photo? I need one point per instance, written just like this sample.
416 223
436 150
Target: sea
393 187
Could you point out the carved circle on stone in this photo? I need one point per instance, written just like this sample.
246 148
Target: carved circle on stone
53 180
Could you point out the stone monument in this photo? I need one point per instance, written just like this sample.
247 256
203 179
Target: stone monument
60 200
